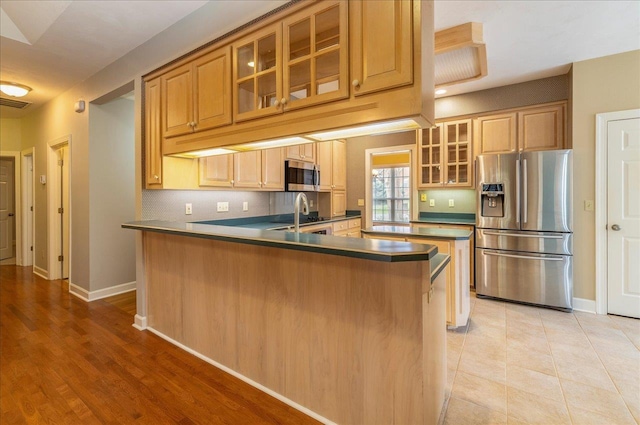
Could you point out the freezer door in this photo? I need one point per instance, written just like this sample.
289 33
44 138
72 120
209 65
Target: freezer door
513 240
547 190
498 169
532 278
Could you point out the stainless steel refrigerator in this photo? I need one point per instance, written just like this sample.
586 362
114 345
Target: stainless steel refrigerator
524 227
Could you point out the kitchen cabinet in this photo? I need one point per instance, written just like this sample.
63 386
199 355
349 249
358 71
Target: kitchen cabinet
331 158
298 62
458 296
255 170
381 45
152 135
196 95
349 228
526 129
445 155
305 152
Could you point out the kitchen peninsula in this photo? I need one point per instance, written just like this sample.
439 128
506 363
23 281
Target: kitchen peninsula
347 330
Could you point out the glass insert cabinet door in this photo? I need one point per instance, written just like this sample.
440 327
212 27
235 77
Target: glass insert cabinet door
315 55
257 74
430 157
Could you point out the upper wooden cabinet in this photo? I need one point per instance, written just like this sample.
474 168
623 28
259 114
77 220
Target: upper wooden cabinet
381 45
331 158
252 170
298 62
530 129
446 155
152 136
196 95
305 152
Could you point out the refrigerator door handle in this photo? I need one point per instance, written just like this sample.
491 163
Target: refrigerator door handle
518 235
526 190
518 191
523 257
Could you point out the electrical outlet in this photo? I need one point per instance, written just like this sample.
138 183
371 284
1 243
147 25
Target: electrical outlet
361 202
245 206
451 203
188 209
223 206
423 197
432 202
588 205
311 202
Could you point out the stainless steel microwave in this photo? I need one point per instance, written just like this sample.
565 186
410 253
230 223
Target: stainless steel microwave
301 176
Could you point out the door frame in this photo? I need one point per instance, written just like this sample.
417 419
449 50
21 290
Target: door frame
27 199
53 193
368 222
17 205
601 151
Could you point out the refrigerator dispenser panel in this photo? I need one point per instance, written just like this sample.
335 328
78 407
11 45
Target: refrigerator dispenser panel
492 197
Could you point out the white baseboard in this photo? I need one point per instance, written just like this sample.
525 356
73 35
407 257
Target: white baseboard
249 381
89 296
140 322
584 305
41 272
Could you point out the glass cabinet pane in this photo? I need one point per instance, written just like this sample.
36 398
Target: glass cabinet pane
436 176
300 80
435 155
451 174
300 39
328 72
246 96
246 62
266 90
463 132
327 28
267 53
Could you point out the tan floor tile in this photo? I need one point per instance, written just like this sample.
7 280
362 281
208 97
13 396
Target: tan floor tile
473 364
585 417
530 337
480 391
486 348
514 421
534 360
461 412
602 402
536 345
592 374
536 410
561 350
536 383
562 336
632 400
526 324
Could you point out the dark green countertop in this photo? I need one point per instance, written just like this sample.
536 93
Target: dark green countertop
425 232
272 222
446 218
369 249
438 263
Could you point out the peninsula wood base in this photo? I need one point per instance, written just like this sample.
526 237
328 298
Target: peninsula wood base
356 341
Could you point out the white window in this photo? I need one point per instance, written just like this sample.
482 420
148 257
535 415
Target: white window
391 194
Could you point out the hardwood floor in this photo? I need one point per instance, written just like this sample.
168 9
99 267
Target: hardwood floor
64 361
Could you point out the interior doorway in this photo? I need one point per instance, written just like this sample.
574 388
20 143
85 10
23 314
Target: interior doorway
618 213
58 201
7 209
27 193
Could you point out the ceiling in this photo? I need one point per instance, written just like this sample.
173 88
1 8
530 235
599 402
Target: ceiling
53 45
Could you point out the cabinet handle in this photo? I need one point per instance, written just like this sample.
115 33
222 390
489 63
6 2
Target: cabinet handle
355 83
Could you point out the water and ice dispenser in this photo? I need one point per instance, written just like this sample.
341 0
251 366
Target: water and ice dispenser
492 198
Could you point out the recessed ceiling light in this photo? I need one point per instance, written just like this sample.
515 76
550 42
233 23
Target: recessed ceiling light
441 91
14 89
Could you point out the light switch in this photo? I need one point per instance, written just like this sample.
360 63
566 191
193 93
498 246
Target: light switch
245 206
451 203
187 209
423 197
361 202
432 202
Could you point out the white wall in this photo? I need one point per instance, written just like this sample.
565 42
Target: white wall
111 193
606 84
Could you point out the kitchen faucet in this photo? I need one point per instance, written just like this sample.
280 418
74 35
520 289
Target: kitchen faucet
296 210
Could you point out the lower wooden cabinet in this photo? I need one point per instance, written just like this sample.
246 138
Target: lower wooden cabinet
349 228
458 293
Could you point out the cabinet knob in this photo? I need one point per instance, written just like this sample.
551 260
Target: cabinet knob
355 83
232 182
276 103
155 176
283 101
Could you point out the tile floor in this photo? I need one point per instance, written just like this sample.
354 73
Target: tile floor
515 364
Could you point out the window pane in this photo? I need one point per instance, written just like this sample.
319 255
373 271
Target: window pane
391 194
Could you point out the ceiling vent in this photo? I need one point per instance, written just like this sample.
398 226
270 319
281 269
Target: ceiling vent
460 54
11 103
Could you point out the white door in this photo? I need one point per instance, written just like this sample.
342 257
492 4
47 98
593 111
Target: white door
7 213
623 217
